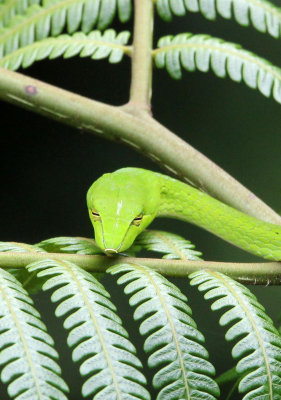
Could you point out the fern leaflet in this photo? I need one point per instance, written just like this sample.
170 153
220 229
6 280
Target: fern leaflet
94 45
40 22
174 343
18 247
10 8
262 14
78 245
204 52
28 281
27 352
173 246
96 334
258 348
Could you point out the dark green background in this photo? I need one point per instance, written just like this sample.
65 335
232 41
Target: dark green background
46 168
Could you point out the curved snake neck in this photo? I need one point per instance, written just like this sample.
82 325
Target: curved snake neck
175 199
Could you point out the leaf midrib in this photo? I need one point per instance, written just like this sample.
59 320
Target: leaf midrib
99 333
265 6
172 245
253 323
6 6
24 342
43 13
62 41
240 54
174 333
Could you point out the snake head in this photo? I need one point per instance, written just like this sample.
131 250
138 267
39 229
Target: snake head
121 205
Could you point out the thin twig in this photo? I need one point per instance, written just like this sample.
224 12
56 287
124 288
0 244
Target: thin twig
143 134
141 81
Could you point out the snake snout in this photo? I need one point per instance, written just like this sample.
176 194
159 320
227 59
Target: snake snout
110 252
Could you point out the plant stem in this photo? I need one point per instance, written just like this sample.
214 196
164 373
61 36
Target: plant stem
141 81
143 133
250 273
191 166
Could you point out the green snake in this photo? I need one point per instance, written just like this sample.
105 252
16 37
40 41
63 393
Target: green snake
123 203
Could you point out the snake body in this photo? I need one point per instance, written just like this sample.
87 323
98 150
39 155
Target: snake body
123 203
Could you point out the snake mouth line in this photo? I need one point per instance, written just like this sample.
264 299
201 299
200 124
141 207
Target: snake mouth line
110 251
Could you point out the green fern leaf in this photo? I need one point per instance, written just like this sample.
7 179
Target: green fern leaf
96 334
258 348
124 10
204 52
173 246
94 45
40 22
27 354
166 8
29 281
19 247
63 244
174 343
262 14
10 8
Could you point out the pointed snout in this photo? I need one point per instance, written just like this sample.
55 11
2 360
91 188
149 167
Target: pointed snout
110 252
107 243
114 235
111 244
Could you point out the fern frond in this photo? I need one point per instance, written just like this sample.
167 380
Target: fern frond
10 8
40 22
173 246
258 348
173 341
262 14
204 53
64 244
95 45
19 247
28 281
27 353
96 334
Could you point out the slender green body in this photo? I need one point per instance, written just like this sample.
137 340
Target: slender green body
124 203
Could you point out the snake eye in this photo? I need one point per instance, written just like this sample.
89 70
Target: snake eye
137 220
95 215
